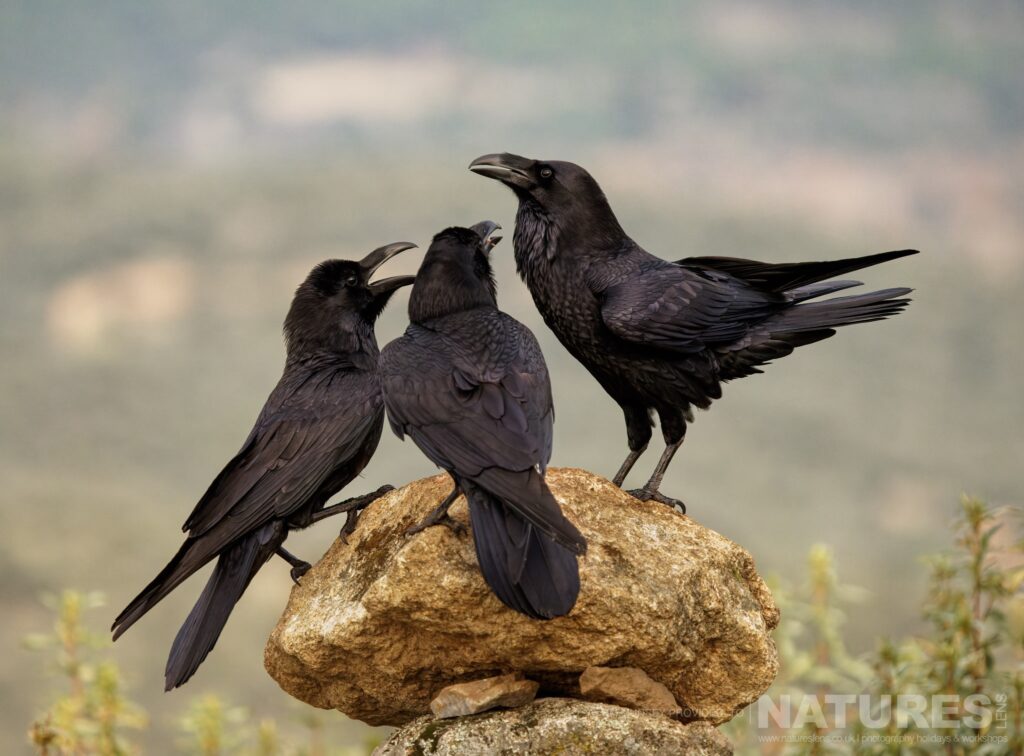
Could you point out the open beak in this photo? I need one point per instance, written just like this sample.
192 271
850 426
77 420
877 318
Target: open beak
381 255
390 285
488 232
505 167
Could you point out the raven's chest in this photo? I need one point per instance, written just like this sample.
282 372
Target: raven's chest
564 299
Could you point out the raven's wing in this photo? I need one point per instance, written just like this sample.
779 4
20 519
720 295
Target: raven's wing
683 310
477 400
784 277
293 450
471 405
311 425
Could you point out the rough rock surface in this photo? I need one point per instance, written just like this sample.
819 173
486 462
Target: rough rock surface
627 686
384 621
504 691
557 726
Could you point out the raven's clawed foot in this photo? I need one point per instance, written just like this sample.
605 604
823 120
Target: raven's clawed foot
351 520
298 570
354 507
299 566
438 518
644 495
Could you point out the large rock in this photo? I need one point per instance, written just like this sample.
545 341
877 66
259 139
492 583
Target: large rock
557 726
385 621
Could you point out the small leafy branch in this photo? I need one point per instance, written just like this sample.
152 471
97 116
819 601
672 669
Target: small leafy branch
93 716
974 646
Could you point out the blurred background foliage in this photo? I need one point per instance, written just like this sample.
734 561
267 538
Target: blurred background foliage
971 643
170 171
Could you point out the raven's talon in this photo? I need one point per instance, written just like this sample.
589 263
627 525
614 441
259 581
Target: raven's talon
430 521
299 570
385 489
351 520
644 495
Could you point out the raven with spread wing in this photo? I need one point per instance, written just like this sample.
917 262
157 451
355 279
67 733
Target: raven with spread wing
469 385
318 430
662 336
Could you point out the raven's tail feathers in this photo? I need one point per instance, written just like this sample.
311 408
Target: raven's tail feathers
806 323
527 569
527 495
235 568
840 311
191 556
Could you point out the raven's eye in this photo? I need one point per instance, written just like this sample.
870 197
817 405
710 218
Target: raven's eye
351 280
546 173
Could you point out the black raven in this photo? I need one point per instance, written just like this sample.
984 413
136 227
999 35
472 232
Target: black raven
318 430
657 335
469 385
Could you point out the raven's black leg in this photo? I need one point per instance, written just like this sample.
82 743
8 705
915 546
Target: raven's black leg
650 491
439 516
638 431
299 566
351 508
620 476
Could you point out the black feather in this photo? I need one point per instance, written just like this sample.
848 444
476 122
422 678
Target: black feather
469 385
662 336
316 432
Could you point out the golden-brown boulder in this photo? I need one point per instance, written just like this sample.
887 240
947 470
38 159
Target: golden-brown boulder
385 621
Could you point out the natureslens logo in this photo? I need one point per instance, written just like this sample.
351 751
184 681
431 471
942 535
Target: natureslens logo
883 719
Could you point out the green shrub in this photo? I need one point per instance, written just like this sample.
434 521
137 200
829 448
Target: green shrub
973 644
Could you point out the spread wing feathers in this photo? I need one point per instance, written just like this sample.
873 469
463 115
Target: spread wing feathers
478 403
677 309
526 570
235 569
780 277
288 457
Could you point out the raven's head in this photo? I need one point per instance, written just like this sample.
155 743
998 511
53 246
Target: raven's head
456 273
564 191
338 296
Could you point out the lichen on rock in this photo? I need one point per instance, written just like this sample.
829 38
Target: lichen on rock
385 621
557 726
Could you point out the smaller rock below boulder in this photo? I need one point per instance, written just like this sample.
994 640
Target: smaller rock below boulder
627 686
557 725
503 691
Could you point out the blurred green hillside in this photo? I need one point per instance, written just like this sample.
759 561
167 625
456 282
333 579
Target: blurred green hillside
170 171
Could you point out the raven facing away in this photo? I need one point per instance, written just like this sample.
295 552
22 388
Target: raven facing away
317 431
469 385
662 336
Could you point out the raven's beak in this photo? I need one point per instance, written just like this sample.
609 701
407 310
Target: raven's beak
507 168
389 285
381 255
487 232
